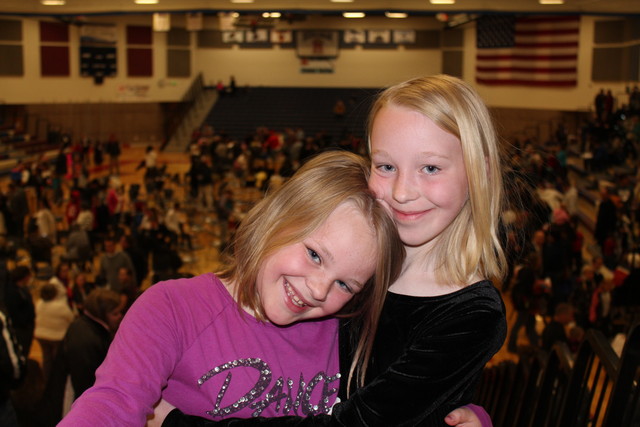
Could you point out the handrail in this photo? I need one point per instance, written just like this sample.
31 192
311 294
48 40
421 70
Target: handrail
552 386
595 369
173 119
530 368
624 403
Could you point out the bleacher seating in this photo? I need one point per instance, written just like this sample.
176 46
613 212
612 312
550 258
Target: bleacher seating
278 108
16 143
596 388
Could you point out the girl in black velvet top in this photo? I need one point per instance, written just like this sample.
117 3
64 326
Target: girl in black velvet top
435 165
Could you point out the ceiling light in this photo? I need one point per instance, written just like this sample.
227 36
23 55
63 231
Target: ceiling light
241 1
395 14
271 14
353 14
442 1
52 2
341 1
551 1
146 1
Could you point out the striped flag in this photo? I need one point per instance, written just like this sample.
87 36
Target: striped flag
528 50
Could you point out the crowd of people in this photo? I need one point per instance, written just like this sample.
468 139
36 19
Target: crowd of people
578 265
70 225
289 263
79 252
95 244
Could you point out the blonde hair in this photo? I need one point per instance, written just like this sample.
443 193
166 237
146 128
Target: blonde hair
470 245
297 208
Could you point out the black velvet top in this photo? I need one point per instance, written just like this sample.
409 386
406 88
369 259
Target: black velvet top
427 358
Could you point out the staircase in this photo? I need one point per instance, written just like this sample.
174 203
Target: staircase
201 106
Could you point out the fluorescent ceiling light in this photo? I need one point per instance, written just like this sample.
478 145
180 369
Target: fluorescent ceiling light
353 14
551 1
341 1
146 1
241 1
395 14
52 2
271 14
442 1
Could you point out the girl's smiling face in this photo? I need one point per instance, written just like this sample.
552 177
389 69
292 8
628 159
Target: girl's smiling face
417 172
318 276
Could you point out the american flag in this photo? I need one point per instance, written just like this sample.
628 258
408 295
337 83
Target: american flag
528 51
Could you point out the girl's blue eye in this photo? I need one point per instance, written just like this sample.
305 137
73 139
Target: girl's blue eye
431 169
313 255
386 168
344 286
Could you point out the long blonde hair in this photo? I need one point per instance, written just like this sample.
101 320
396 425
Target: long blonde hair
295 210
470 245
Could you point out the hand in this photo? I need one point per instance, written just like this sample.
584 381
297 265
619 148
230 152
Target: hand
160 412
465 417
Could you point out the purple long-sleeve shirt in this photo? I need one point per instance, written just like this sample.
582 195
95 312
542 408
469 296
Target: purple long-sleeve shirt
186 341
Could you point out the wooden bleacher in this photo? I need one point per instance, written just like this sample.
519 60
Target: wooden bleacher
16 143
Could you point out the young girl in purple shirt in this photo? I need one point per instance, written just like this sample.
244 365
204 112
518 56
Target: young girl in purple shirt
239 342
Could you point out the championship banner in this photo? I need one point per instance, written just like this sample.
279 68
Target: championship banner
259 35
235 36
354 36
404 36
379 36
281 36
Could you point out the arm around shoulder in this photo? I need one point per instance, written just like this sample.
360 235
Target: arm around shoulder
433 374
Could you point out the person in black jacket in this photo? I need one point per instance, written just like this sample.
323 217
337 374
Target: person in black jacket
524 299
87 340
12 370
82 351
555 330
606 218
20 307
113 150
12 357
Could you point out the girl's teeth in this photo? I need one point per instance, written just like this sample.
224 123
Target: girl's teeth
294 298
